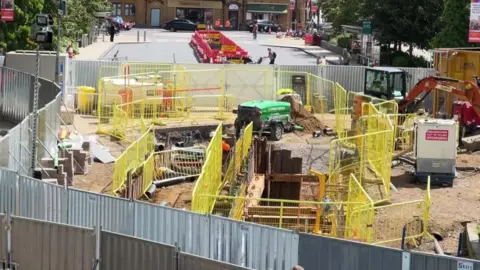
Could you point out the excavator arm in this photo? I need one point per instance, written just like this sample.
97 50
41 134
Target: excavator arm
464 90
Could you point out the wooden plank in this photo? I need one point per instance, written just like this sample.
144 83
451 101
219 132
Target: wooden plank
297 165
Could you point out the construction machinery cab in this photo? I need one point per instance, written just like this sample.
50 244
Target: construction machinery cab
385 83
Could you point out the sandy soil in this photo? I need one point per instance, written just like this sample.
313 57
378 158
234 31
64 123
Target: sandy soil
178 196
450 206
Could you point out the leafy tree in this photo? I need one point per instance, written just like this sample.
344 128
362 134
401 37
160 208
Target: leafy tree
455 24
341 12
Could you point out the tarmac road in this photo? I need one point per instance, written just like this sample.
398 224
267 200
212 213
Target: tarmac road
165 46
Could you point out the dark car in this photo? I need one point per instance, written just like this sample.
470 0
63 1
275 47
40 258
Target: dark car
263 26
180 24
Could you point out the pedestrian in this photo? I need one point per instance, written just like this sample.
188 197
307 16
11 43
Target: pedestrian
111 31
272 56
255 30
346 57
70 51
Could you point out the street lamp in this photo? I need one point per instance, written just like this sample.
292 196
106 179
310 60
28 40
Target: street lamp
62 11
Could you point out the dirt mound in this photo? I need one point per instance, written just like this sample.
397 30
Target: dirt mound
303 117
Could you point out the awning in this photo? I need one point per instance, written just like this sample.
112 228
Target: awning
262 8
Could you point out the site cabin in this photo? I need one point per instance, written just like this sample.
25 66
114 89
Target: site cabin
215 48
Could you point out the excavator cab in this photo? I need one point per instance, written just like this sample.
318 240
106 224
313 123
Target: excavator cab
385 83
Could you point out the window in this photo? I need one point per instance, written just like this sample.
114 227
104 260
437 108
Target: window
117 9
129 9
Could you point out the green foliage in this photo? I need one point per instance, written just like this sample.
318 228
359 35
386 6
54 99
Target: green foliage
79 20
455 24
402 59
413 22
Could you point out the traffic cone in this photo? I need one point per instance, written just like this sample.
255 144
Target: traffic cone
269 30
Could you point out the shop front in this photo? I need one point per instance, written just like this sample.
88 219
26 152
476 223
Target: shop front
202 12
276 13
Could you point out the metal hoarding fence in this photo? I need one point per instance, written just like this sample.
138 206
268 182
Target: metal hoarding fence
252 245
319 252
3 240
120 252
15 87
425 261
191 262
189 231
42 245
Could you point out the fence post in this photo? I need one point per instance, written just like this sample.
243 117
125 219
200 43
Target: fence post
281 215
138 35
144 36
406 260
98 231
9 239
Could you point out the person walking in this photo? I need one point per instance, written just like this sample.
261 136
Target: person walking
347 57
111 30
255 30
272 56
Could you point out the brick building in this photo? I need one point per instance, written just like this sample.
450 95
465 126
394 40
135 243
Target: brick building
157 12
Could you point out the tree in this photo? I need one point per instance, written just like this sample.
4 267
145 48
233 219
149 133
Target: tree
455 24
15 35
341 12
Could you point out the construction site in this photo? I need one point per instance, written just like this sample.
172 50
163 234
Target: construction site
380 165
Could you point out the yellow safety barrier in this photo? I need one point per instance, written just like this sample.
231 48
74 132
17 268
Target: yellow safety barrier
130 159
210 178
359 217
242 146
390 220
288 214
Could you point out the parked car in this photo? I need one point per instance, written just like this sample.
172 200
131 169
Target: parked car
263 26
180 24
120 23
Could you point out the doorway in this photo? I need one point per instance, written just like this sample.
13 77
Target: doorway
233 18
155 17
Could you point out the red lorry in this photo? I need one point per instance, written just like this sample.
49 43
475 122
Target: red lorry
215 48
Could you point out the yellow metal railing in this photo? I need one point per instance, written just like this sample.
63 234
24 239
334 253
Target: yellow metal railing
210 178
130 159
242 146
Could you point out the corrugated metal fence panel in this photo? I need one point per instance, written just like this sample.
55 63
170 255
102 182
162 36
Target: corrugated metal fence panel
171 226
252 245
4 146
19 146
88 72
416 75
3 238
48 246
424 261
40 200
117 215
83 208
350 77
8 193
120 252
15 87
192 262
317 252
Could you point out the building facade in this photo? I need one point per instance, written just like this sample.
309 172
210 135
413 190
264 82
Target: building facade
154 13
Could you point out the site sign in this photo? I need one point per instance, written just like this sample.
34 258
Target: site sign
464 265
229 48
436 135
474 28
7 10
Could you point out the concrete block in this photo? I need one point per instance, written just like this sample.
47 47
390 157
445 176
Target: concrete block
47 162
51 181
67 115
473 243
472 143
49 173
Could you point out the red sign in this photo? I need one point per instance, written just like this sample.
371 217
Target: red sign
7 10
436 135
314 8
292 6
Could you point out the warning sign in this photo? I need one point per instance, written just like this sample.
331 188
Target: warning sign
229 48
436 135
